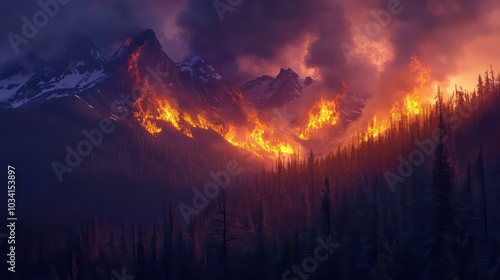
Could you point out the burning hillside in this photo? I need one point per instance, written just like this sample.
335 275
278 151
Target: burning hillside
154 111
157 109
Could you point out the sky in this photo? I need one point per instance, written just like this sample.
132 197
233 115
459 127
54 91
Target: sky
364 45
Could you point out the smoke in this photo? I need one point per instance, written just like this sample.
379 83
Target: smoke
231 34
437 32
105 23
260 29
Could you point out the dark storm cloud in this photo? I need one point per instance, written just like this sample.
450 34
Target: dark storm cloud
436 32
106 23
332 28
261 28
433 30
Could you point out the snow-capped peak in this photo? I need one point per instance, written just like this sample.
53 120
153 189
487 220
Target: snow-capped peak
79 69
273 91
197 68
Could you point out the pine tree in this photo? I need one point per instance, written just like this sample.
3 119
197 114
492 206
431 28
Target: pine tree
325 209
141 263
168 228
482 186
444 212
226 233
310 168
155 246
384 261
261 240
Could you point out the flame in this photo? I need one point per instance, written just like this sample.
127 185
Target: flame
263 134
256 137
133 64
377 127
324 113
163 111
410 105
413 101
154 111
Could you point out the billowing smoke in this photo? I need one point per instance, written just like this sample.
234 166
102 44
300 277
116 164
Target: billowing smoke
260 29
434 31
350 43
45 29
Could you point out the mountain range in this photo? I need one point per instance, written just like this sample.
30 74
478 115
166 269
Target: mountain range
85 74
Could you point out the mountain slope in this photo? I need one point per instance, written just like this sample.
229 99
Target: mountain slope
267 91
216 90
79 70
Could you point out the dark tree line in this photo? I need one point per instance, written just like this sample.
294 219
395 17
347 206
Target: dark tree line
438 222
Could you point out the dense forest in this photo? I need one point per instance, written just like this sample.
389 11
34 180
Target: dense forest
416 202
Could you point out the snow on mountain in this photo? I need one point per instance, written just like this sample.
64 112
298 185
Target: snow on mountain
199 69
271 92
9 86
214 89
267 91
80 69
85 69
194 83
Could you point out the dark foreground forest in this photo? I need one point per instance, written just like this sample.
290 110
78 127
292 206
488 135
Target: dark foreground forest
418 202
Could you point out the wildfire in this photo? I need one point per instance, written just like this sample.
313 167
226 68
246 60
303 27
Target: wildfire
323 114
410 105
133 65
377 127
256 136
263 134
163 111
154 112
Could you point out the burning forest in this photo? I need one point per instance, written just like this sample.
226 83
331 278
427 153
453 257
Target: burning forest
250 140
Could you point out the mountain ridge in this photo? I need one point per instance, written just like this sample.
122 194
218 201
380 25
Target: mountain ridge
86 74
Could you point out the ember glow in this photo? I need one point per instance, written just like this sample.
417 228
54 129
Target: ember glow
133 66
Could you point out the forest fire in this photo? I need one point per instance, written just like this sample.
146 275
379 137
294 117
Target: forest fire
261 137
409 106
256 137
233 140
323 114
133 64
377 127
154 112
413 101
163 111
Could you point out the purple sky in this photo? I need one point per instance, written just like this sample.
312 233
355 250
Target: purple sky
455 38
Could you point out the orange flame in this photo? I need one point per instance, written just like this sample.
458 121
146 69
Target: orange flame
323 114
133 65
154 112
260 139
410 105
